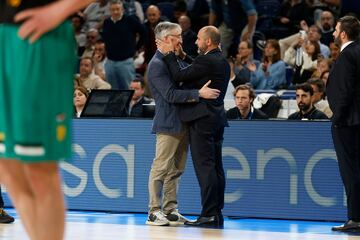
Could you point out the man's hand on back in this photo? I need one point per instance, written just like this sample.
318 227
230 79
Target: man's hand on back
209 93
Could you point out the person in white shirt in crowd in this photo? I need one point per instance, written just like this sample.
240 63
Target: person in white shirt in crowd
99 59
319 98
87 78
323 64
91 38
95 13
312 33
302 56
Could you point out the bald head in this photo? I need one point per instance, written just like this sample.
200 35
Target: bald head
212 33
153 14
208 39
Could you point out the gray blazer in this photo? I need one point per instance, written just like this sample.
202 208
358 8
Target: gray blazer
166 94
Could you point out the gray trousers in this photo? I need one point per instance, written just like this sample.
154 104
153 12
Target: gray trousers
166 169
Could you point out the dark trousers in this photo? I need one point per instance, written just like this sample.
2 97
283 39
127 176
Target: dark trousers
206 136
1 200
347 147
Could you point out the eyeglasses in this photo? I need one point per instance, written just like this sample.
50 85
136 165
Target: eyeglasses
175 35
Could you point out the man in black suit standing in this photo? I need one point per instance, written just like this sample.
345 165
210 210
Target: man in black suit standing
343 91
206 120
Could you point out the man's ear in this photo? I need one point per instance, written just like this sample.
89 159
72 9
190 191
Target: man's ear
208 42
343 34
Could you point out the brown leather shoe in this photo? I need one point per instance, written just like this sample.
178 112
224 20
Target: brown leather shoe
349 226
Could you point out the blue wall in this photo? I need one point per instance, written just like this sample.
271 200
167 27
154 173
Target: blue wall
275 169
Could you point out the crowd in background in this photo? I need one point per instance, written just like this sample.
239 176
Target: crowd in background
270 45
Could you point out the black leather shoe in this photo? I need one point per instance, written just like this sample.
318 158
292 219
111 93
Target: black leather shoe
216 221
349 226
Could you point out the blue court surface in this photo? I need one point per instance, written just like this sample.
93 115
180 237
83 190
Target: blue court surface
124 226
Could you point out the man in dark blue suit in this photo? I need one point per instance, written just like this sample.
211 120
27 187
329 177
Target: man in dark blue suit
206 121
343 91
171 133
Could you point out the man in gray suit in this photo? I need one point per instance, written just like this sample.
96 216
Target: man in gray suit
171 133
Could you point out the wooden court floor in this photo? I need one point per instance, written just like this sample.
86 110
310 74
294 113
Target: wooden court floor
107 226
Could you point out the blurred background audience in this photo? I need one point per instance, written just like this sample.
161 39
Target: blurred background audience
272 45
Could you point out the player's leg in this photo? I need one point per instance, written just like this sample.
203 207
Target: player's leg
45 182
14 178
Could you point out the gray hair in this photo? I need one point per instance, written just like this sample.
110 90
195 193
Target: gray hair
164 29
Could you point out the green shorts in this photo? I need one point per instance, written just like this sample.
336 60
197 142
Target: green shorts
36 89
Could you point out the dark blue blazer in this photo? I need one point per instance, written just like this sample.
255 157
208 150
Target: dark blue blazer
166 93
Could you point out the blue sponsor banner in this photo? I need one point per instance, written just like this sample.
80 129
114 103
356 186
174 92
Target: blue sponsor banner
274 169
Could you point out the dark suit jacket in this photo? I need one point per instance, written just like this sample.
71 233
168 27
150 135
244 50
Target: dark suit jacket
189 39
234 113
165 93
343 87
211 66
138 109
314 114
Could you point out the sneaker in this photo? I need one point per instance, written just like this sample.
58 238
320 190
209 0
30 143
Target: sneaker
5 217
175 218
157 218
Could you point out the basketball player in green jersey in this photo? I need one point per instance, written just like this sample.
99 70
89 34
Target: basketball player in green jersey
37 56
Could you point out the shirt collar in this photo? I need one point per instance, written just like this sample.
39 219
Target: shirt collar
115 21
345 45
250 114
